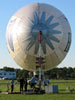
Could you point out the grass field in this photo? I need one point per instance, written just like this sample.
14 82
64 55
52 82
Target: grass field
62 95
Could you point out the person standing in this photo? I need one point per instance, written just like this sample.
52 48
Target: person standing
12 85
25 84
21 84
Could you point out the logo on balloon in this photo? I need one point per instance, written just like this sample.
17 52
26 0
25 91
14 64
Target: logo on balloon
48 32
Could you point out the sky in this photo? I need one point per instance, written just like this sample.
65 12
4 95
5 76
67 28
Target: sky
9 7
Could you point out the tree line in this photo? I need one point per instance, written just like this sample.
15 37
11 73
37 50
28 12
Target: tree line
56 73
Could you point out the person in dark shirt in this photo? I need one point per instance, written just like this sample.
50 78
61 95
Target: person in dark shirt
25 84
21 84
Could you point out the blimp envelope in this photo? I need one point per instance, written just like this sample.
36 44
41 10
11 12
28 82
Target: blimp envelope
22 36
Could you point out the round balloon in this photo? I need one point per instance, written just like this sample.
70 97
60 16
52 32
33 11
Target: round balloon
22 36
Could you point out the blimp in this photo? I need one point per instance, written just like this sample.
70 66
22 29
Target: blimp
38 36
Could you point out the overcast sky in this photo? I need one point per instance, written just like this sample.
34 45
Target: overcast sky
9 7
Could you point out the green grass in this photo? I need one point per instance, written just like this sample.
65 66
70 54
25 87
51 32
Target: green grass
38 97
62 95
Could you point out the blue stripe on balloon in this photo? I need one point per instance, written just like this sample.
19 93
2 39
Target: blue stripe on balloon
10 41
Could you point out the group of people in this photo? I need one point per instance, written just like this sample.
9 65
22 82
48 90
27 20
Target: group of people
23 84
32 83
